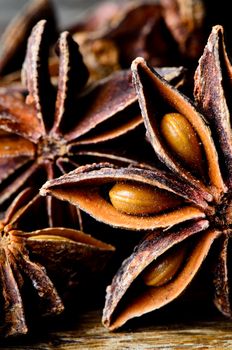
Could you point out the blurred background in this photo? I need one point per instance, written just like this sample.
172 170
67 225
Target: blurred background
68 11
164 32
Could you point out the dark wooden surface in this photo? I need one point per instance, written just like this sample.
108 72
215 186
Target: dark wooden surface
84 330
86 333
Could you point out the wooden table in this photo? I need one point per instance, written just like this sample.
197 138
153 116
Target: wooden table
84 330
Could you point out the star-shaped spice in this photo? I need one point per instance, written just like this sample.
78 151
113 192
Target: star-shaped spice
189 203
40 138
167 32
58 128
38 265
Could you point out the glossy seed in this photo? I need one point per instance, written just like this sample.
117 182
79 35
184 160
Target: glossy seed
165 268
50 238
183 140
139 199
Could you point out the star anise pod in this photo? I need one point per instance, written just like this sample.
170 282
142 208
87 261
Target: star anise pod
44 133
13 41
189 202
56 128
37 267
169 32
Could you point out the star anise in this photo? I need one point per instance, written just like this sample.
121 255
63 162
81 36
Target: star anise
189 203
38 266
135 28
167 32
13 42
56 127
43 135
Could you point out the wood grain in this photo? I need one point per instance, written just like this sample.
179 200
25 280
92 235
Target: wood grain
88 333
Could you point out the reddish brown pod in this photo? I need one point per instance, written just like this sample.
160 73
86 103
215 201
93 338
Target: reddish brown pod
42 135
38 266
194 191
165 275
167 32
60 126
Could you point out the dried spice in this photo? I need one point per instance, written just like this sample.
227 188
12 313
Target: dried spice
38 266
135 28
13 41
109 38
56 128
43 134
88 188
169 32
200 202
186 21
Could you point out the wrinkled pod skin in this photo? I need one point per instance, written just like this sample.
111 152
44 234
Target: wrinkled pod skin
199 235
141 200
160 268
140 197
55 128
53 261
205 209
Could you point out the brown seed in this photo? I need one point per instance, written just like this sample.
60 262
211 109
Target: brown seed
165 268
139 199
50 238
182 139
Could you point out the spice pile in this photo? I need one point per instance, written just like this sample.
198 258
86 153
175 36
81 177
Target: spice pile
115 159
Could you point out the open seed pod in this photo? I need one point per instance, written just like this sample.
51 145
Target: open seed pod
157 99
35 126
56 127
159 270
42 265
130 198
212 93
177 131
189 148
